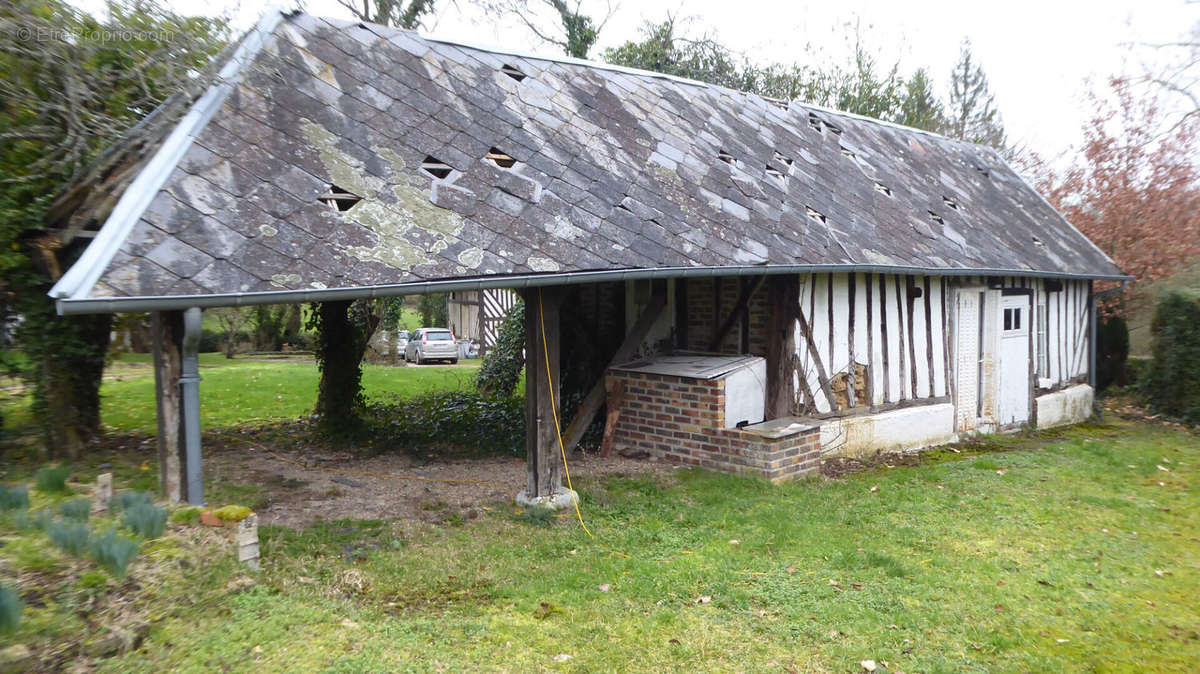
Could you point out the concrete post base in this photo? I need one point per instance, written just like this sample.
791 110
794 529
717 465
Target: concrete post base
560 499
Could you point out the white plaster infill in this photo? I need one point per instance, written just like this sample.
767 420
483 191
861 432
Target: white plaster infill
561 499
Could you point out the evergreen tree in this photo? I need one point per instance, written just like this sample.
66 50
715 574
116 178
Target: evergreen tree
920 107
972 114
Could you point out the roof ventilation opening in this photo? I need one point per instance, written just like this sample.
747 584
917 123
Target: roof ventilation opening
814 121
950 202
340 199
501 159
848 152
776 174
786 161
623 207
1037 242
936 218
983 170
513 72
814 214
832 128
435 167
779 103
883 189
727 158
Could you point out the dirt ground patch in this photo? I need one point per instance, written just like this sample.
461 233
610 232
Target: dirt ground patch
300 488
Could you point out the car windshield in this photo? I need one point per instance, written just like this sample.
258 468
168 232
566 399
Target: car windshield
438 336
403 334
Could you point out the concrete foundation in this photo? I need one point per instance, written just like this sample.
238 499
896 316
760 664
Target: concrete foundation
893 431
562 498
1068 406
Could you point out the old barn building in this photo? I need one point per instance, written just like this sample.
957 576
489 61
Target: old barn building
761 281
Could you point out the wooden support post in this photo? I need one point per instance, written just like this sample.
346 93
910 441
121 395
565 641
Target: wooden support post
595 397
167 328
542 395
784 298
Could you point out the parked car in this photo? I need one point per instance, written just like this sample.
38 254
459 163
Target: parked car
402 343
431 344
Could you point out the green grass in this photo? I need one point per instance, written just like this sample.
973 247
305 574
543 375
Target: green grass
1068 559
244 391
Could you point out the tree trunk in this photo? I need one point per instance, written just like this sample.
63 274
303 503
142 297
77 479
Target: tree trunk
345 328
67 395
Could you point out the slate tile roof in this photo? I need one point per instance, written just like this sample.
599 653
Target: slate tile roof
613 170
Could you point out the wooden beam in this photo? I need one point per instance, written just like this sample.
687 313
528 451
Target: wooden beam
595 397
616 400
852 374
784 301
167 331
541 391
736 313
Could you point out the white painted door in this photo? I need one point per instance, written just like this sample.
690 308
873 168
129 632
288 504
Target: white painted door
1014 359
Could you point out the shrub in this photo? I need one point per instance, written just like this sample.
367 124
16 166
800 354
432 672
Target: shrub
145 519
127 499
70 537
76 509
233 513
456 419
10 610
113 552
1170 380
14 498
501 368
23 520
51 479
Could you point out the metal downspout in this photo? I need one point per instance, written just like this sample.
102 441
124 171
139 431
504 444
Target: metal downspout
189 385
1093 344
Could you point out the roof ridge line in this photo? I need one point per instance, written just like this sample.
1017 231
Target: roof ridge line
571 60
79 280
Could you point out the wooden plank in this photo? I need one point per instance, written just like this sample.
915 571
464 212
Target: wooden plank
947 345
534 372
822 377
851 289
829 317
910 308
595 397
870 278
743 301
900 339
883 339
167 331
784 298
548 461
928 302
616 400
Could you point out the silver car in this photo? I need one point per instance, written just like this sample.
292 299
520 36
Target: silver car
402 343
431 344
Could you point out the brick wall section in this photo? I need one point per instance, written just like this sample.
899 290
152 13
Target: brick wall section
682 420
703 320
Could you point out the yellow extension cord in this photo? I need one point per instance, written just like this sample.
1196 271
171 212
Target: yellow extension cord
554 411
557 432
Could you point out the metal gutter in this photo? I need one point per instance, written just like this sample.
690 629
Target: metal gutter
68 306
82 276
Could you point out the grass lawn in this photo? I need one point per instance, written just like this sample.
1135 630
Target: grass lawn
246 390
1070 552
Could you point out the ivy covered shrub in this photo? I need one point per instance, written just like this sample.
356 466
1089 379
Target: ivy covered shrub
501 369
466 422
1171 382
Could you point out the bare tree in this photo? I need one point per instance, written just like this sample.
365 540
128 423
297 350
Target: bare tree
396 13
561 23
232 321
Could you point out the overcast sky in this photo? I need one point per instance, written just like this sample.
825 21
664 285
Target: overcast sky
1041 56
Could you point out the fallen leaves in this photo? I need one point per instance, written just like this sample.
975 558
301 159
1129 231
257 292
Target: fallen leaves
704 599
563 657
874 489
605 587
734 541
868 665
